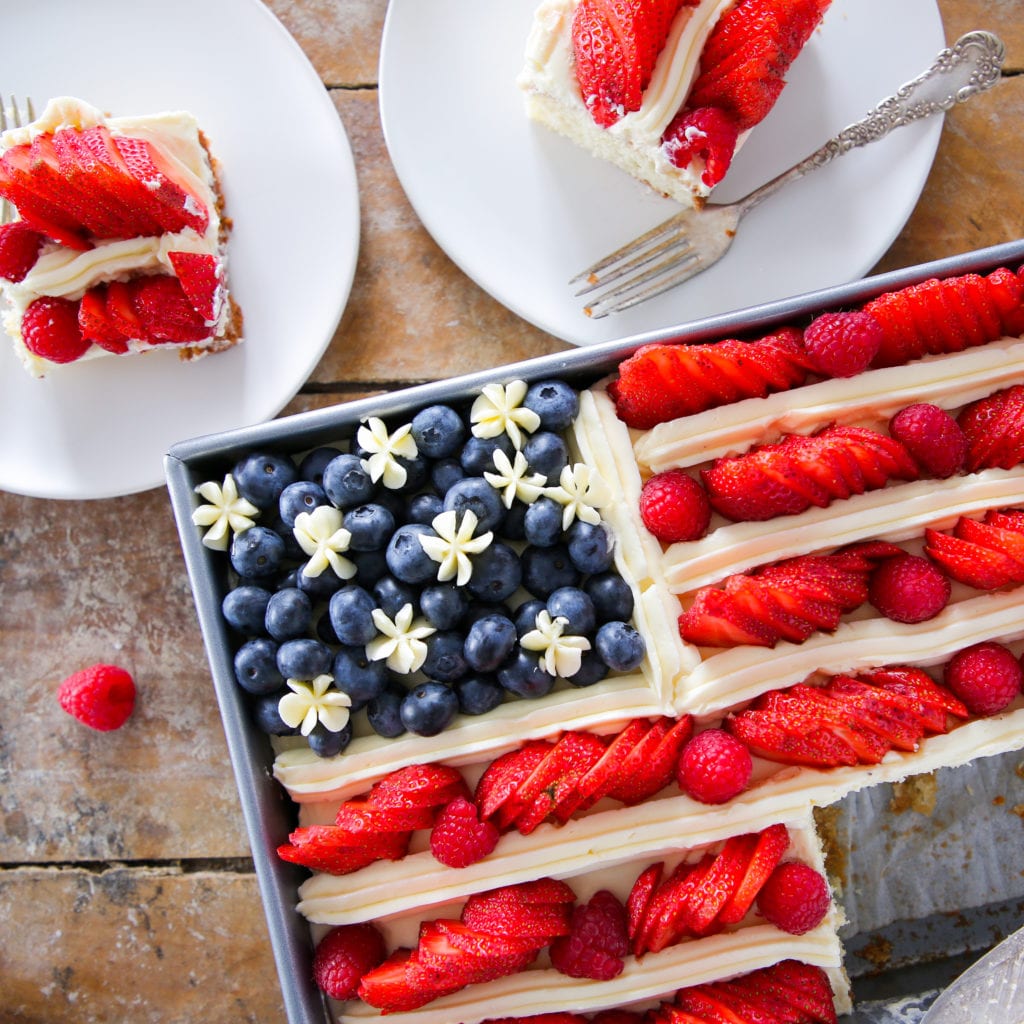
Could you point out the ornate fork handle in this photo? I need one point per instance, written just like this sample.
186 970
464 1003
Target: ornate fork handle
970 66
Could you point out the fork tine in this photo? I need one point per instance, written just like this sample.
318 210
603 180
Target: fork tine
657 278
666 227
11 117
674 247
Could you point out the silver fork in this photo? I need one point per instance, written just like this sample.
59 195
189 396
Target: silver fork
691 241
13 116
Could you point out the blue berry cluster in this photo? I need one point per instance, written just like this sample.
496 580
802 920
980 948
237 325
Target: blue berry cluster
298 626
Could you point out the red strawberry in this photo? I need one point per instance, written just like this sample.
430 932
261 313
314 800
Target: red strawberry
19 249
718 886
101 697
885 713
50 330
651 764
639 902
459 838
505 775
393 987
537 910
714 767
344 955
40 211
452 956
165 310
930 702
96 322
200 278
615 47
418 785
363 816
674 507
662 924
994 428
597 940
802 987
977 564
662 382
715 619
768 849
121 312
336 851
707 134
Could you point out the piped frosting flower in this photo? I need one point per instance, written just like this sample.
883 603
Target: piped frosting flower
581 492
401 641
385 450
454 544
312 702
514 480
499 409
226 512
562 652
322 536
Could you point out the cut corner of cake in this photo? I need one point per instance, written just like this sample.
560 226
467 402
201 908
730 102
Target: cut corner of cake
120 242
667 91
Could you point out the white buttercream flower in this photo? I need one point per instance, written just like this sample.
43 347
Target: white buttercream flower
385 450
322 536
226 514
514 480
581 491
498 409
454 544
312 702
401 641
563 652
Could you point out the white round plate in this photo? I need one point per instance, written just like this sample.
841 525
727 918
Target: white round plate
522 210
100 428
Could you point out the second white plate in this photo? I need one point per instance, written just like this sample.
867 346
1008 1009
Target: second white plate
521 210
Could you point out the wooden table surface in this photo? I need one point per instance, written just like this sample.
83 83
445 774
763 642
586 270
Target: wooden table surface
126 889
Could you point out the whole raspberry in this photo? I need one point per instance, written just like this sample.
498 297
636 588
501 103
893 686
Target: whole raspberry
344 955
674 507
714 767
843 344
795 898
597 940
459 838
933 438
101 697
908 588
986 677
19 249
50 330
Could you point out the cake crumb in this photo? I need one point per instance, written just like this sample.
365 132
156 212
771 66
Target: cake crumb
919 794
826 821
878 953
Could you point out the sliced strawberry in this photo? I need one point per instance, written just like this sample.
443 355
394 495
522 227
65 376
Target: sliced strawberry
418 785
165 311
37 207
986 534
96 322
486 944
640 896
663 925
337 852
772 739
751 1008
453 964
713 620
932 703
719 886
707 134
969 563
878 712
651 764
363 816
121 310
1007 291
506 774
767 852
803 987
201 280
393 987
540 910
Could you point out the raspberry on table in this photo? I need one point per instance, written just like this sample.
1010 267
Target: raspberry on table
714 767
674 507
908 588
101 696
795 898
843 344
932 437
986 677
344 955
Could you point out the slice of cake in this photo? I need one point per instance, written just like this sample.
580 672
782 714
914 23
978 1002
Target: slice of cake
666 90
120 245
556 675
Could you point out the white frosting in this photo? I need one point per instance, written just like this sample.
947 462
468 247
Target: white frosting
401 642
225 514
561 652
454 545
314 702
514 479
581 491
321 535
499 409
385 450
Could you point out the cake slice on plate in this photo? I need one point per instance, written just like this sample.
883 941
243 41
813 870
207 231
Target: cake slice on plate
667 90
120 242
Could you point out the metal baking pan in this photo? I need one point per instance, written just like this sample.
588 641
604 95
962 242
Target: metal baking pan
269 814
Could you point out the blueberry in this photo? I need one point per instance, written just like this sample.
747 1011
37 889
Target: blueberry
513 526
478 694
476 495
370 566
429 708
477 455
489 642
346 482
325 743
612 596
245 609
547 569
555 402
526 616
268 718
257 553
363 680
480 610
590 547
301 496
292 548
384 713
417 473
446 472
319 587
262 476
446 660
370 526
324 630
289 614
592 670
256 667
393 595
525 677
547 454
315 462
497 573
438 431
303 659
351 611
406 558
620 646
573 604
444 605
425 508
395 503
542 524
